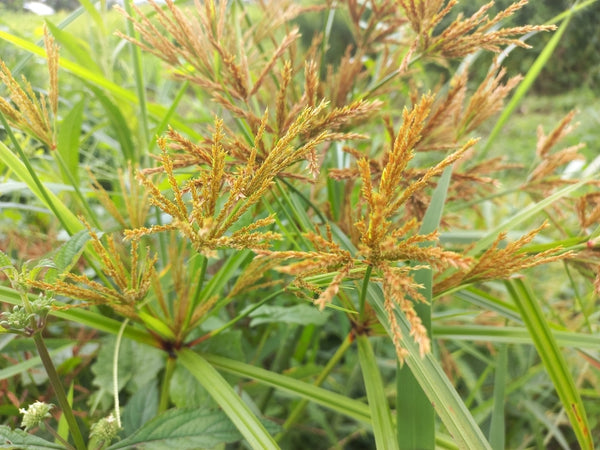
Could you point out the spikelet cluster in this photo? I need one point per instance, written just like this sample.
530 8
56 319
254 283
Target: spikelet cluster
130 280
464 35
27 111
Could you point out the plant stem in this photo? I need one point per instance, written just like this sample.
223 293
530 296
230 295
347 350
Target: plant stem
363 293
59 391
164 390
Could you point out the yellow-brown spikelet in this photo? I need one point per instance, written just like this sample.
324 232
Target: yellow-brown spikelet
252 277
281 108
501 263
311 82
287 41
211 189
105 199
411 248
202 310
597 281
52 54
464 36
429 174
29 113
588 209
400 291
346 77
423 15
131 280
283 154
550 162
487 100
134 198
545 143
155 41
339 117
331 291
442 126
408 137
310 262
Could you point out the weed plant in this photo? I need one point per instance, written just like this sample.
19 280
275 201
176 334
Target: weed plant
253 242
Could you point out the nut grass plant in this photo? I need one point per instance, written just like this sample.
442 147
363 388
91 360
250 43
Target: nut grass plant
307 184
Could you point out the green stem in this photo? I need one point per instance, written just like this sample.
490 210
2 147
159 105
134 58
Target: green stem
199 284
363 293
59 391
166 382
57 436
299 408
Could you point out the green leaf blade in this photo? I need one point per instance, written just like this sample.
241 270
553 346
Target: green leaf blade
237 411
553 359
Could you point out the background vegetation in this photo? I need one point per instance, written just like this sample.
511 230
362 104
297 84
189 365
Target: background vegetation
208 346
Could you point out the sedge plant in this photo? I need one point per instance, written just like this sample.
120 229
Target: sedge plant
291 246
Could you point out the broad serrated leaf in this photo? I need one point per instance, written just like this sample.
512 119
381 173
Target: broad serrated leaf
301 314
227 344
141 407
186 392
183 429
20 439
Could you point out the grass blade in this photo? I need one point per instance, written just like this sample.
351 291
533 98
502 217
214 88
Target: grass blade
432 379
553 359
497 428
513 335
336 402
220 390
136 55
416 416
383 429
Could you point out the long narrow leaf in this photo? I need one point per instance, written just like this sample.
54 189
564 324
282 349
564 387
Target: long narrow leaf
415 413
432 379
336 402
553 359
383 429
497 428
513 335
231 403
